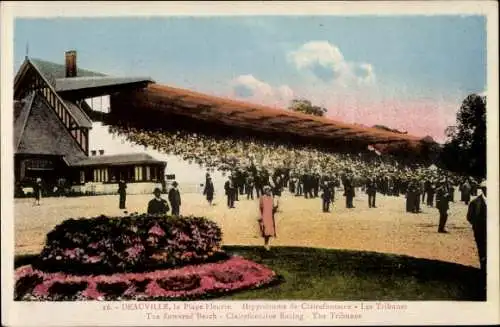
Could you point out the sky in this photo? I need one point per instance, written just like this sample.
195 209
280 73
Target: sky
405 72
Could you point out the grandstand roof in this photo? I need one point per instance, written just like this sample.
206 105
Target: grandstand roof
258 117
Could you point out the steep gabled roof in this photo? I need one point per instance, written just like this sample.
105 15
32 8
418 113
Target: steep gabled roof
22 111
54 71
44 133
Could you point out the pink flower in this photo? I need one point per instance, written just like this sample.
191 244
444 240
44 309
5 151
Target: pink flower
94 259
156 230
252 274
135 250
93 245
70 253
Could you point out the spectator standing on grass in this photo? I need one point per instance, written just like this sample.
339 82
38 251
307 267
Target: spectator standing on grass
349 192
476 216
326 196
418 191
249 187
266 221
465 191
277 190
37 189
230 189
208 191
122 192
422 190
157 206
174 197
452 191
430 193
371 190
410 197
442 203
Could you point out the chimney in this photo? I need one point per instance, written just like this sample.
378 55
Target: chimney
101 152
93 153
71 63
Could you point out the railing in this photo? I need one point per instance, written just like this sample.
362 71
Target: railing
39 83
65 116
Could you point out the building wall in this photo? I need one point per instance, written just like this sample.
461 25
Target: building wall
112 188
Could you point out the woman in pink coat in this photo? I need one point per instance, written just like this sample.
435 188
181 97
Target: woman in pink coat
266 221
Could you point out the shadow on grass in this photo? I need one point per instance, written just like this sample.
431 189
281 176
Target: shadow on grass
324 274
343 275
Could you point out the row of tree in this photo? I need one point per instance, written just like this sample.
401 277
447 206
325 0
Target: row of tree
465 149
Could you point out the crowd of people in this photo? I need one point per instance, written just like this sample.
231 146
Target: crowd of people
265 169
253 164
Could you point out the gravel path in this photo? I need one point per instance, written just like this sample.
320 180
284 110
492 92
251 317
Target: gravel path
300 222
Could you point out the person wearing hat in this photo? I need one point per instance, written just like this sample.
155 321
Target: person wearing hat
476 216
371 190
326 196
37 189
430 193
208 191
349 192
442 203
174 197
122 192
230 189
249 186
465 192
157 206
266 220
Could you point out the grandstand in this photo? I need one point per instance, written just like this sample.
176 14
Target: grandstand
204 113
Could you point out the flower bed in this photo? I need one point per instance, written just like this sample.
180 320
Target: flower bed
106 245
185 283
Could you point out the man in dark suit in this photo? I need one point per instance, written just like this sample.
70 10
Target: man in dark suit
315 184
429 190
349 192
326 196
157 206
371 190
410 197
174 197
249 187
476 216
230 189
418 192
122 191
465 192
209 189
442 203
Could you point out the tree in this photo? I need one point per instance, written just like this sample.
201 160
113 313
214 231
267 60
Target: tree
465 149
305 106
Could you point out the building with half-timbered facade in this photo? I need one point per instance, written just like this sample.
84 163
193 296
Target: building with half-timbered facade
52 129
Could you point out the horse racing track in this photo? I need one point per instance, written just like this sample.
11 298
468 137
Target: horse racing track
381 253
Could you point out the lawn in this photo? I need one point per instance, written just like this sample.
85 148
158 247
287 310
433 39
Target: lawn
342 275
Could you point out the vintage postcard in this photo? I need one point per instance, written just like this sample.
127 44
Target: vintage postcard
269 163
